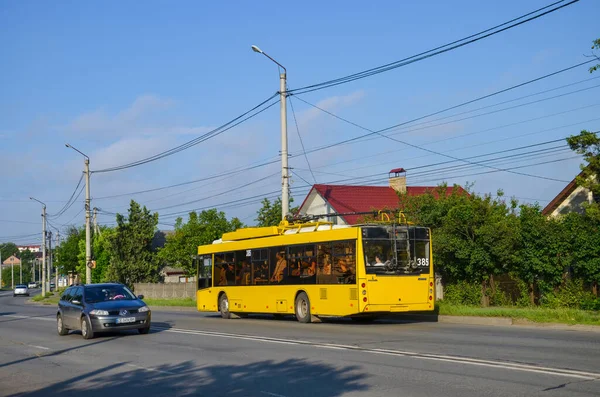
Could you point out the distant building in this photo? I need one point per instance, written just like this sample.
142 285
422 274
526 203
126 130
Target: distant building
347 199
11 260
175 275
570 199
32 248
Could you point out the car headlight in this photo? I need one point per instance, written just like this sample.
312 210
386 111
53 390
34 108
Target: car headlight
99 313
143 309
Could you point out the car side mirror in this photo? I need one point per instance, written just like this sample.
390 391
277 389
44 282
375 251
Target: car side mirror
140 296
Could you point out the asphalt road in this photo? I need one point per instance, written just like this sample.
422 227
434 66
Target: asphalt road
188 353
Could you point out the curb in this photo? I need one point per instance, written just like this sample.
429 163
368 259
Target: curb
173 308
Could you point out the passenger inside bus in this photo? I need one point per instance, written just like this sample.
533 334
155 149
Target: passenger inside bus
243 277
279 268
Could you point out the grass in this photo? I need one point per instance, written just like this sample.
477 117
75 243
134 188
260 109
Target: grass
50 298
185 302
534 314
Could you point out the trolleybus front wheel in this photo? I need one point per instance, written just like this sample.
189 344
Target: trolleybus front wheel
224 306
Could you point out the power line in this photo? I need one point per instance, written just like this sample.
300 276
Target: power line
420 147
260 197
301 142
70 201
223 174
435 51
204 137
437 141
246 168
395 126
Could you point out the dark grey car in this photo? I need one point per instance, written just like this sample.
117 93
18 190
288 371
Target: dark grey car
108 307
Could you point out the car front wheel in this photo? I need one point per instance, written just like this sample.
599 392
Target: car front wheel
86 328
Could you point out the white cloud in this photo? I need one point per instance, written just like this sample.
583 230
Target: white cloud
146 116
128 150
331 104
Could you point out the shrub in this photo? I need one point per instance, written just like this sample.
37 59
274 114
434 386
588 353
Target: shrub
570 295
463 293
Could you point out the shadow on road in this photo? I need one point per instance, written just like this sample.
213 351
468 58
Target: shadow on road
395 319
55 353
288 378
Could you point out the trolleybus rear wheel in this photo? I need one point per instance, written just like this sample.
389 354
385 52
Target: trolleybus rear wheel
302 308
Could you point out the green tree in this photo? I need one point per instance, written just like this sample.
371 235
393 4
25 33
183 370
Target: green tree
584 249
476 240
66 257
270 213
200 229
100 253
595 46
541 253
7 273
8 249
132 258
587 144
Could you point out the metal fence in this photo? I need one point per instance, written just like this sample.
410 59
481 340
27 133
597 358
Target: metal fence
166 290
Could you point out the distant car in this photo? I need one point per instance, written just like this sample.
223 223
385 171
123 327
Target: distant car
32 284
94 308
21 289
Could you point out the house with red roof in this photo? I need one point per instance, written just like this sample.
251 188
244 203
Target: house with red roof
349 199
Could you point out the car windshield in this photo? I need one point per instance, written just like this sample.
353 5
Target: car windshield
108 293
21 286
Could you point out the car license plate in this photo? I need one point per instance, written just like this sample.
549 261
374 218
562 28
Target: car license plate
125 320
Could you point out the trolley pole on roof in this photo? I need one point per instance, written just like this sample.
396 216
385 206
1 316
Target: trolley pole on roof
285 188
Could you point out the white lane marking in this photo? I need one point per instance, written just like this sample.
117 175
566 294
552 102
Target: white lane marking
424 356
39 347
272 394
28 317
151 369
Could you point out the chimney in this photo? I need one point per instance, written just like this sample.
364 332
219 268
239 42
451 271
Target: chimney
397 178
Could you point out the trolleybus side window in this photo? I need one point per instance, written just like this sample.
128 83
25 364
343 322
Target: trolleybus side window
336 263
260 266
302 264
242 267
224 269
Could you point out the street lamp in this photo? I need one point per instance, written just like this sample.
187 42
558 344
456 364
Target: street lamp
88 245
285 207
43 245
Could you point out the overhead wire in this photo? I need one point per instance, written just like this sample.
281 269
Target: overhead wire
420 147
269 162
380 132
438 50
70 201
301 142
204 137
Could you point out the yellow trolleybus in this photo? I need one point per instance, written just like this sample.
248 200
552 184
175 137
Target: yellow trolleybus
312 269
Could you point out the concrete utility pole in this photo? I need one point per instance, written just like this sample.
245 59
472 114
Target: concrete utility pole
95 220
285 190
50 260
88 245
56 268
43 266
21 273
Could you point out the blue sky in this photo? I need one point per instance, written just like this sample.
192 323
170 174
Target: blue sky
123 81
